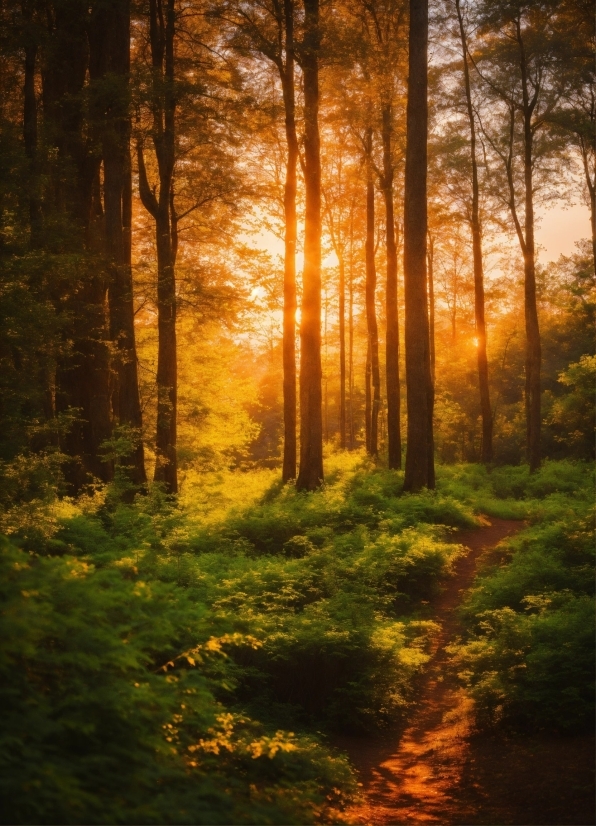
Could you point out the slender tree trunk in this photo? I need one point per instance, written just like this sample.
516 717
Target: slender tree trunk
351 331
310 476
371 313
533 347
368 396
392 339
30 135
419 454
342 352
160 206
430 258
483 385
118 219
592 191
326 367
289 312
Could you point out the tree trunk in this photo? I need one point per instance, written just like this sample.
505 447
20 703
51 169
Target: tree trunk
76 50
289 311
371 313
533 347
419 453
368 396
430 258
118 208
342 353
160 206
483 385
310 476
30 131
392 339
351 333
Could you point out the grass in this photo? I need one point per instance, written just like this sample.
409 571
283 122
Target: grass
207 649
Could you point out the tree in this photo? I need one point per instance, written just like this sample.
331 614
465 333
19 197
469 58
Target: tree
310 475
476 228
576 112
268 29
73 70
116 133
161 207
373 370
419 454
520 65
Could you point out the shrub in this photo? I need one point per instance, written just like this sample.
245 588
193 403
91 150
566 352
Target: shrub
529 655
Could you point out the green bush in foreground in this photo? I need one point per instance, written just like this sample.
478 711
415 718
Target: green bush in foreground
529 656
153 659
96 730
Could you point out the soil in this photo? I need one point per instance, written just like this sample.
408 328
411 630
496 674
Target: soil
438 770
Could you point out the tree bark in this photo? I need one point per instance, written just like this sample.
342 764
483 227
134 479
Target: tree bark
371 313
75 51
30 127
486 454
160 206
342 353
351 333
118 218
289 310
368 396
392 339
533 346
310 476
419 454
430 259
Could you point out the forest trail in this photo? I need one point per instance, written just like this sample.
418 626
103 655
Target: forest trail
438 771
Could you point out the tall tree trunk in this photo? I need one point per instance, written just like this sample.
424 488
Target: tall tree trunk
161 208
533 347
118 219
371 312
76 50
419 453
368 396
310 476
342 353
392 339
430 257
483 385
591 184
30 126
351 333
289 311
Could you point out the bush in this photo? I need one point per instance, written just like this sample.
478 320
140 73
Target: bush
529 655
95 729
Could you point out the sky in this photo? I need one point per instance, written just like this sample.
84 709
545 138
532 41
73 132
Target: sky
560 228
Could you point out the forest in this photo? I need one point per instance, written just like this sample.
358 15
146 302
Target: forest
297 422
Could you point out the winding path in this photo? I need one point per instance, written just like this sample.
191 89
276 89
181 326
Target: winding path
439 772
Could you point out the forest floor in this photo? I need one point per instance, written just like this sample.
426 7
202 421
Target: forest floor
439 770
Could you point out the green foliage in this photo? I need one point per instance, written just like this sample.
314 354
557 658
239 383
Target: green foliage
572 416
155 661
529 655
109 712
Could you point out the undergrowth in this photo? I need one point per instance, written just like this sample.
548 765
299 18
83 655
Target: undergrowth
185 663
528 653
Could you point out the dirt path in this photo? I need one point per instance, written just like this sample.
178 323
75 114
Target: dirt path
438 772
